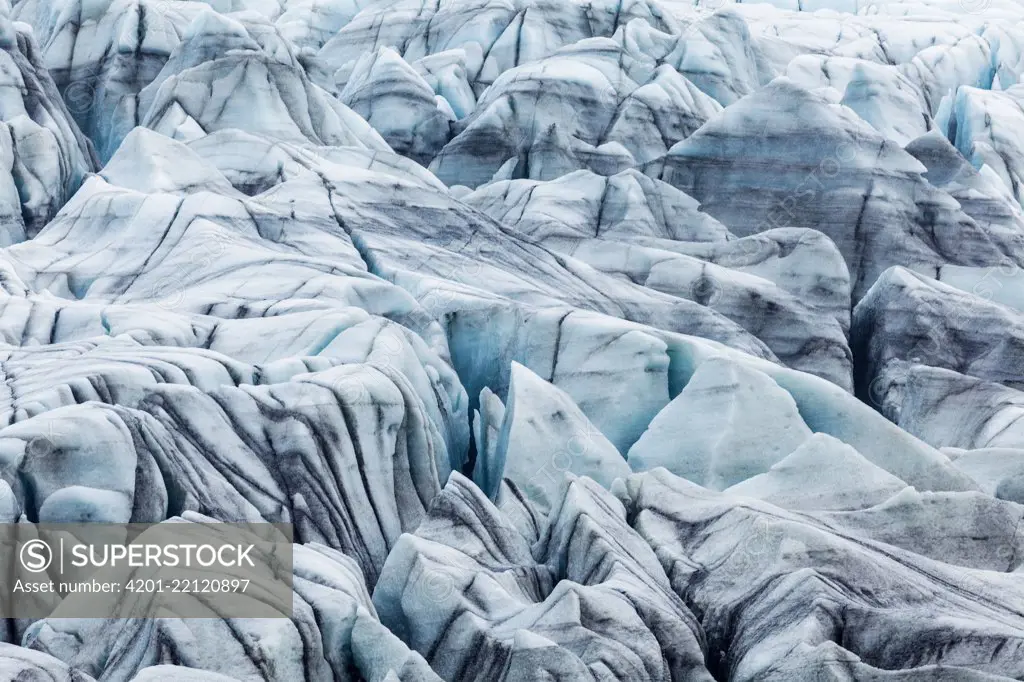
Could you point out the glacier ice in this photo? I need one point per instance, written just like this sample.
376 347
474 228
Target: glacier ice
791 595
20 663
822 473
998 148
542 439
644 232
728 424
908 317
45 158
589 599
412 119
557 114
604 339
850 182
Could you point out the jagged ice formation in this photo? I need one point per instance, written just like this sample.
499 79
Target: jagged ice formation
576 339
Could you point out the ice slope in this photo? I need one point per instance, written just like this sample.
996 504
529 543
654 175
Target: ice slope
588 600
397 102
874 91
591 105
542 436
644 231
791 596
949 409
727 425
43 156
998 470
598 339
844 179
997 146
823 474
909 318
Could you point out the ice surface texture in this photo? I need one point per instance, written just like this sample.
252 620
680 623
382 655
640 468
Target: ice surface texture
577 339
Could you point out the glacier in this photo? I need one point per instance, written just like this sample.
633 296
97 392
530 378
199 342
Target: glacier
668 340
